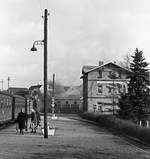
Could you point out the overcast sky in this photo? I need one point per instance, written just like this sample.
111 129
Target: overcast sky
80 32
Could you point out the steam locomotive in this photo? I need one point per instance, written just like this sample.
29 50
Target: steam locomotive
10 106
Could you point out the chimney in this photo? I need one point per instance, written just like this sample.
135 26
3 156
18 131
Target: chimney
101 63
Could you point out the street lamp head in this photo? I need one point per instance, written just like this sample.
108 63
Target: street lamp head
33 48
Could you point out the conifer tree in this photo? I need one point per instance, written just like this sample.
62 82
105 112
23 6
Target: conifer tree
137 88
138 93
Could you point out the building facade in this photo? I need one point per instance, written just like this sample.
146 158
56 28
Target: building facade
69 102
102 86
67 105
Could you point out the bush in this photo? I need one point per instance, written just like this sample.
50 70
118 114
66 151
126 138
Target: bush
120 125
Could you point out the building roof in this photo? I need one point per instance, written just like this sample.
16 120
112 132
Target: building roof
35 87
97 67
17 88
18 91
87 68
6 93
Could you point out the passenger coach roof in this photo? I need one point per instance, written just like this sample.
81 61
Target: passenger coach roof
19 96
6 93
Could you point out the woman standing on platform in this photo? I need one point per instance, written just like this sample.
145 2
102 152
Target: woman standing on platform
21 120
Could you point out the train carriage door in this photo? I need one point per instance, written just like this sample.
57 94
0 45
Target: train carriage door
13 108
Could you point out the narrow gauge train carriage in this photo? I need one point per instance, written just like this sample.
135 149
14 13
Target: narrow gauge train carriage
19 103
6 100
10 106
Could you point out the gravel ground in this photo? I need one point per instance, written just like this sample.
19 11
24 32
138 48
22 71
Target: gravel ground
73 139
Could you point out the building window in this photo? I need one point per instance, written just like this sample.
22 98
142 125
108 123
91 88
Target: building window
100 88
112 75
99 74
94 108
75 102
124 89
99 106
109 74
119 74
109 90
119 88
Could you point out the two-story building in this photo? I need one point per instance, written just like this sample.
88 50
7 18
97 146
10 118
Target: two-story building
102 86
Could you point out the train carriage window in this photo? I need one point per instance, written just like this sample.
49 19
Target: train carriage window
2 101
9 102
67 102
75 102
6 101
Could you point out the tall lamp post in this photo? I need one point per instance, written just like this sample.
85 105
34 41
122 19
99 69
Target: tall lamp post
44 42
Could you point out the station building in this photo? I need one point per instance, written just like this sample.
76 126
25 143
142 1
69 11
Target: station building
102 86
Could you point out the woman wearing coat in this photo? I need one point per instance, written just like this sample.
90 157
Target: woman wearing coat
21 119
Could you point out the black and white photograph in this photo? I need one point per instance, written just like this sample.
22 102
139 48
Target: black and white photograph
75 79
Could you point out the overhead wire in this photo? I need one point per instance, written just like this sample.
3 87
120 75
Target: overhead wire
40 4
39 7
47 4
50 30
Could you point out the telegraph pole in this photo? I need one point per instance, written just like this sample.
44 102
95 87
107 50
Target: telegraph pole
113 77
2 84
45 74
113 97
8 81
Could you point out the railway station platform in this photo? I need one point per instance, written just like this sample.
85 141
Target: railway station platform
74 138
13 145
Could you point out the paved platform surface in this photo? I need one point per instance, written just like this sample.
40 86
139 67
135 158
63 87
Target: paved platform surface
73 139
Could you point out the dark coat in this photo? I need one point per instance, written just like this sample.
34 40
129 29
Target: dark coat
21 119
34 104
